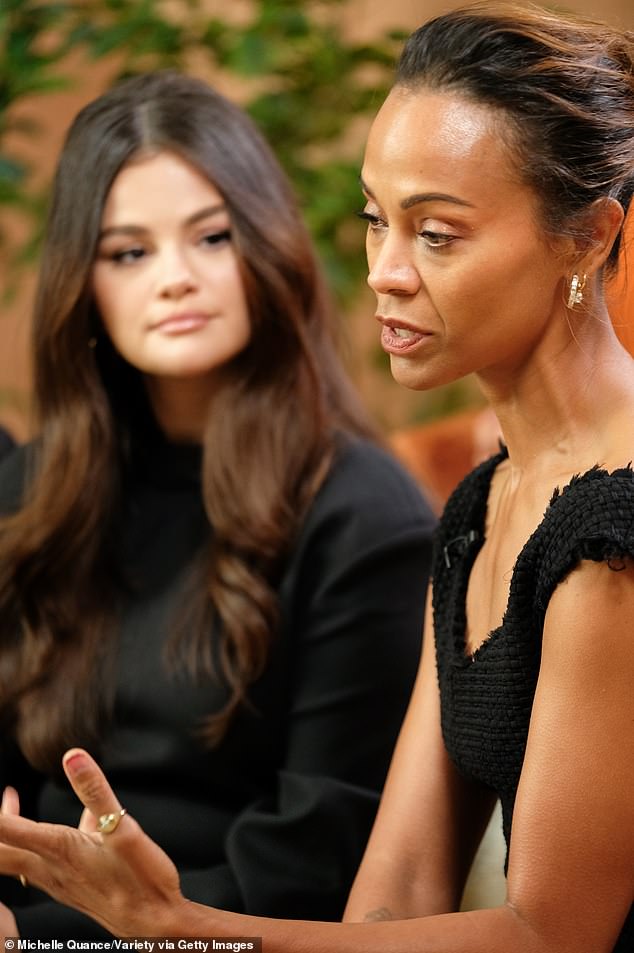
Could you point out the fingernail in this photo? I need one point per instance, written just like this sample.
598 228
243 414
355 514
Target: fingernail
73 759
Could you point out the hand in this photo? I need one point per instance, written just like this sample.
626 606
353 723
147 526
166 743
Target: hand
123 880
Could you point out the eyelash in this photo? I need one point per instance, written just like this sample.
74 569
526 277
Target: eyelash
434 240
216 238
129 256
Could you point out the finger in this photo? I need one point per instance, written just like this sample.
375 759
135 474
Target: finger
46 840
10 801
14 860
87 822
91 787
48 856
133 850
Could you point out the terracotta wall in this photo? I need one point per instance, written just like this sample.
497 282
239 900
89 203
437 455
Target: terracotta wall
394 406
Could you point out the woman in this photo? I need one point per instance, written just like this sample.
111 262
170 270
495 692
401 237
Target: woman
496 175
210 571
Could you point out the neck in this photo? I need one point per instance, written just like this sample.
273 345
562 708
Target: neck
181 406
569 406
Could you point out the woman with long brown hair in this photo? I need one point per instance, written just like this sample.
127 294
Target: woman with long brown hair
209 570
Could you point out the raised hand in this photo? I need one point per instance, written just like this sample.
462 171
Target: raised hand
108 868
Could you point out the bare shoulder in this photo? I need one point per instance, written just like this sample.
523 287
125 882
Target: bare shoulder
596 593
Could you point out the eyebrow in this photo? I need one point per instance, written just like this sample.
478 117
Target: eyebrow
203 213
421 197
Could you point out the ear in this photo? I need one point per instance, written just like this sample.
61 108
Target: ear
603 221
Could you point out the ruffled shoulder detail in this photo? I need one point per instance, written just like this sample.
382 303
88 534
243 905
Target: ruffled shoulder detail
592 517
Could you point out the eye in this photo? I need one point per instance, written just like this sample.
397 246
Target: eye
374 221
213 239
124 256
436 239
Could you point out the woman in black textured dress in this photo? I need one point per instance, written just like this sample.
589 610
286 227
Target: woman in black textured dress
497 177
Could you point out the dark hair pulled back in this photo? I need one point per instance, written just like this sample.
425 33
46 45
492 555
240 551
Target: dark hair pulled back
565 83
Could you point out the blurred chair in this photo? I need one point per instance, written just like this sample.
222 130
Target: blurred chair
441 453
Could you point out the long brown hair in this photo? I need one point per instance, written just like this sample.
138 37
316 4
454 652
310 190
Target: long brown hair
565 85
272 430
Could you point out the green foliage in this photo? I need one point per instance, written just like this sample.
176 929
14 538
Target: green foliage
27 67
310 83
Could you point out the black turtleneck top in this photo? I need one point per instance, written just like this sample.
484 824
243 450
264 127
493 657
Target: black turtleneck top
274 820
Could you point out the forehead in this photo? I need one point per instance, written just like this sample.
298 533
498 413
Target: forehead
158 182
424 140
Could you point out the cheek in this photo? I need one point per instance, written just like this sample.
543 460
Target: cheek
117 297
510 277
107 296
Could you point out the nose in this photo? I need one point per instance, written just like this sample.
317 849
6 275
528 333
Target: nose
177 277
391 270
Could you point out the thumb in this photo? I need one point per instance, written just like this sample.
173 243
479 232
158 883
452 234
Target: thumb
91 787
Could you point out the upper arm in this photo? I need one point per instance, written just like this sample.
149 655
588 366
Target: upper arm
571 863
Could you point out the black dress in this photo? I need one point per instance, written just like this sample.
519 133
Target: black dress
487 697
275 819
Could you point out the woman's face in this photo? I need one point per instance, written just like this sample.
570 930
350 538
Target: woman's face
464 277
166 279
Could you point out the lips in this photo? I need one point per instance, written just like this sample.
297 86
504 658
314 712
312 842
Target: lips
183 323
398 336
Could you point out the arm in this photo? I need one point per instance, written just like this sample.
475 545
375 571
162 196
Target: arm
574 809
570 874
430 820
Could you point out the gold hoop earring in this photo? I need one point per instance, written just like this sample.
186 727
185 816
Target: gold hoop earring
577 286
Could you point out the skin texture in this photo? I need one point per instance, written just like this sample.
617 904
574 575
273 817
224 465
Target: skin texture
476 286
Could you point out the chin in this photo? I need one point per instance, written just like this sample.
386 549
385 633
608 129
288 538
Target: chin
412 377
422 376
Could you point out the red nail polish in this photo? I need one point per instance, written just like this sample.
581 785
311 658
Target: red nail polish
74 759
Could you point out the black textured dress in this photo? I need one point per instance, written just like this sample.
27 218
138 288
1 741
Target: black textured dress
486 698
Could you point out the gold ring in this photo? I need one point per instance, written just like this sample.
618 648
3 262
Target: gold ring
23 880
108 823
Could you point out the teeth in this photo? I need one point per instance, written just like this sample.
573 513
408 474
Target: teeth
403 332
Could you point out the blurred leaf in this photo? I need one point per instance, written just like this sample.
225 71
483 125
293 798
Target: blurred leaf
11 171
310 87
309 82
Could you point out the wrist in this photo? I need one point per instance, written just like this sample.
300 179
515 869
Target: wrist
182 917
